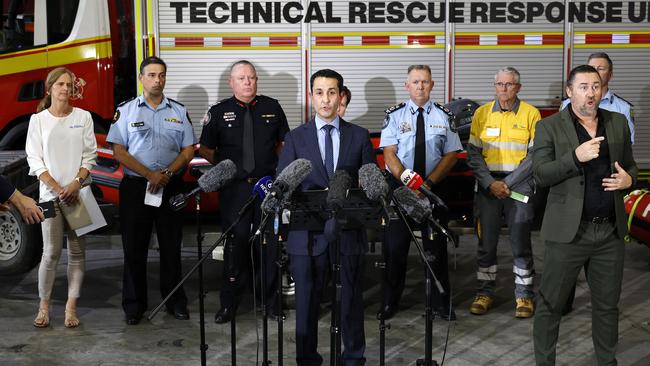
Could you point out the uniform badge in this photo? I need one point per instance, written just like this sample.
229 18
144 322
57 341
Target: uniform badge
229 116
172 120
116 116
386 122
137 124
206 119
405 127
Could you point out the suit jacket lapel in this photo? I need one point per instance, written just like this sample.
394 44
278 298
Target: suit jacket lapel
312 140
614 150
569 128
345 140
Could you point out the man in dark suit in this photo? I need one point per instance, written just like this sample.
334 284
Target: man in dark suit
25 205
330 143
584 154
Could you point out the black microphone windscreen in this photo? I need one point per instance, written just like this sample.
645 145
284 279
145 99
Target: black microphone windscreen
270 201
218 176
416 208
286 182
293 174
339 184
373 182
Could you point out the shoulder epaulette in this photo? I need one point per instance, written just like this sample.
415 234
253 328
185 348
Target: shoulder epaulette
217 103
623 99
175 101
444 109
395 107
262 96
126 101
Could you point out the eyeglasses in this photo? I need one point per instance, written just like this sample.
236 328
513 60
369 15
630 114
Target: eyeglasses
507 85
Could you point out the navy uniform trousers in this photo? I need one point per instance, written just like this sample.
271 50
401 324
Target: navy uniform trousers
232 199
137 220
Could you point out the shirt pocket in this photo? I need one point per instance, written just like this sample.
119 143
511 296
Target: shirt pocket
519 135
438 137
490 137
139 136
173 135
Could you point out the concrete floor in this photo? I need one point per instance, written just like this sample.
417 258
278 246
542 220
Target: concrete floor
494 339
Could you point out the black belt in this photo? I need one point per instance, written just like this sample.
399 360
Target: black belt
599 219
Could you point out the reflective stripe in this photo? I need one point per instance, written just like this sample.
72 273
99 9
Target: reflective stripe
521 271
487 273
475 141
490 269
486 276
502 167
505 145
523 280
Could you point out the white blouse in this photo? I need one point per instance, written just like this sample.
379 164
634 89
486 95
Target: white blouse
60 146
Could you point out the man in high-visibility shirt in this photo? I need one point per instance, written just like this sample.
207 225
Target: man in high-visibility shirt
499 149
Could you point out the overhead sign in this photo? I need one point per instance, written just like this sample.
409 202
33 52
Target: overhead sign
378 12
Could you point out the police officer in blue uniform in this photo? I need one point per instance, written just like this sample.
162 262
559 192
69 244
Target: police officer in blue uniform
246 128
153 139
609 101
416 135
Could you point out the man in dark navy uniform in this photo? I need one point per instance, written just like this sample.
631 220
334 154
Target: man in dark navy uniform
247 129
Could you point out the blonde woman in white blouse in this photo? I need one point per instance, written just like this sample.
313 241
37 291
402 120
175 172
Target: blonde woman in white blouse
61 150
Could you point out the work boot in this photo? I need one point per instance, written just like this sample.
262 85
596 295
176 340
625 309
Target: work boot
525 307
481 304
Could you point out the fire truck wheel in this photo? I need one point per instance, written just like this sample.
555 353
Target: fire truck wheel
21 244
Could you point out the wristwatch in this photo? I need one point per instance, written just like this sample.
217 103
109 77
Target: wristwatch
80 180
167 172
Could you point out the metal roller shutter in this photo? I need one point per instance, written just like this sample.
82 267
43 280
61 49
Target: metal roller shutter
374 58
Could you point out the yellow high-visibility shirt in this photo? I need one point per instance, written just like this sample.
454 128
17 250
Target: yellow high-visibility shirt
504 137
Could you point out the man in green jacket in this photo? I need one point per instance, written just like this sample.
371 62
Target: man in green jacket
584 154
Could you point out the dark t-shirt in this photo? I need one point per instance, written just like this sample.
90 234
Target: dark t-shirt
597 202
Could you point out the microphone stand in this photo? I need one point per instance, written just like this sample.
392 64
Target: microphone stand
199 253
198 265
261 230
281 260
430 278
382 269
335 326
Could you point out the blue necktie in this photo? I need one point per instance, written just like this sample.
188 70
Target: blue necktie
329 151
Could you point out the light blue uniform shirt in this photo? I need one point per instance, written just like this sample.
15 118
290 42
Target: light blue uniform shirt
399 129
613 103
336 138
154 137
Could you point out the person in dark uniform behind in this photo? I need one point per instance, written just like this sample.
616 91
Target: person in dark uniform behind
247 129
153 139
416 135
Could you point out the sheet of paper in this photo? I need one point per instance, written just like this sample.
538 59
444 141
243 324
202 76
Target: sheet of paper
493 132
98 220
153 199
518 197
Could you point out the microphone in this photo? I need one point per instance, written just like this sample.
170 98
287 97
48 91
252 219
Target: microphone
285 183
338 190
416 208
374 185
414 181
336 196
212 180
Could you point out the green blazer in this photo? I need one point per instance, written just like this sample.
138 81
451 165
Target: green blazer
554 166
